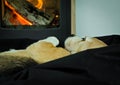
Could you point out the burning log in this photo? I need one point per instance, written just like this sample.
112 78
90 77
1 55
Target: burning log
29 14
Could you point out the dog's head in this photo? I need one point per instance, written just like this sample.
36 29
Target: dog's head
76 44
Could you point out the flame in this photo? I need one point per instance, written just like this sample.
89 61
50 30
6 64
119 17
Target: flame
18 17
37 3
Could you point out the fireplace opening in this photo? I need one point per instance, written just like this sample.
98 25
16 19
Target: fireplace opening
43 13
35 19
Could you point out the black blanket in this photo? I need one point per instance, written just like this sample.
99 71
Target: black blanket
99 66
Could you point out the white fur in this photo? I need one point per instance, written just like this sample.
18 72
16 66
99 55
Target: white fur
52 40
70 43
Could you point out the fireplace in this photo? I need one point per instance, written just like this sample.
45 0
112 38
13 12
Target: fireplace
35 19
44 13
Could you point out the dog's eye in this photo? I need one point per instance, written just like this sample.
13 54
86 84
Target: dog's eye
83 39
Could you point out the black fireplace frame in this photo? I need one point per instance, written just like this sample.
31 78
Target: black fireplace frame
61 32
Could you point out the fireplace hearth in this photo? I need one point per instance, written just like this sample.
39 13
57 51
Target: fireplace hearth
35 19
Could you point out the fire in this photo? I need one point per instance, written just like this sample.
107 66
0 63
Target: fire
37 3
18 17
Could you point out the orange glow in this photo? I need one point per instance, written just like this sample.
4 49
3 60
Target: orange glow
37 3
18 17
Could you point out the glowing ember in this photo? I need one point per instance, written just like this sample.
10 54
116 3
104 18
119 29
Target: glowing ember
37 3
18 18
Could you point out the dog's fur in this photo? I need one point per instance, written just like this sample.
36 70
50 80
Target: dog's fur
76 44
39 52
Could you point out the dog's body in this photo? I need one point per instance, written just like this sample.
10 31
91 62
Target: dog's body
39 52
44 52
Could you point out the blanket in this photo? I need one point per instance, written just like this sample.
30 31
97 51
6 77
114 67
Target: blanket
99 66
